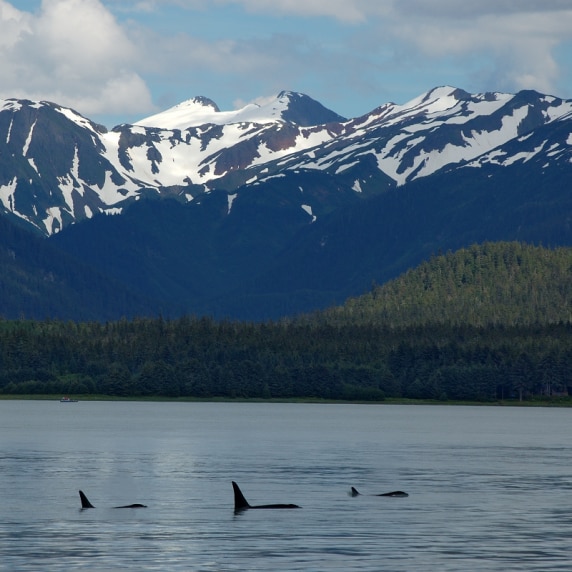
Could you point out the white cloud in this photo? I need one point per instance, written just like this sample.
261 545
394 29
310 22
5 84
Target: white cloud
263 100
72 52
12 24
343 10
517 40
147 6
103 56
489 44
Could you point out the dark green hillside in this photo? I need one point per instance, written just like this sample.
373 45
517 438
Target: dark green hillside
38 281
486 323
506 283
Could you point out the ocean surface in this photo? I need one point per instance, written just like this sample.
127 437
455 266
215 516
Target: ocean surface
489 487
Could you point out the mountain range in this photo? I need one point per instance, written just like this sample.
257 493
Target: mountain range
270 210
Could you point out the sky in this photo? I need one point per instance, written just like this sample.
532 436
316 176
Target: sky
117 61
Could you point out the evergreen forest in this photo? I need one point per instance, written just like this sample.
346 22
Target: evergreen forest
486 323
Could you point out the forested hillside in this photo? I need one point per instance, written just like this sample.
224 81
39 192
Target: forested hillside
487 323
40 281
495 283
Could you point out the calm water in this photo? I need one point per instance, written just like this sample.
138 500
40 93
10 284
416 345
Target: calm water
490 488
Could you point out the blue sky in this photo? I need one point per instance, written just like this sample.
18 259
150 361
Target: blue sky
118 61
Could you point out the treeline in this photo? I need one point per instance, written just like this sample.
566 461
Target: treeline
203 358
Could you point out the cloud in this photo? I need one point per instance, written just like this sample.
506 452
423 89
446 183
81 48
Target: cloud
454 10
104 56
516 41
240 103
342 10
148 6
72 52
511 44
486 45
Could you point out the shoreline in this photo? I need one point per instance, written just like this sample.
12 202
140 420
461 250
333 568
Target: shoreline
558 402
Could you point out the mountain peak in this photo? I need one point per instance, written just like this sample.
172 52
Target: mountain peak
201 100
305 111
195 111
287 106
437 99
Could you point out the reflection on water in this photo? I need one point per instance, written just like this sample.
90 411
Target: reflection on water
488 487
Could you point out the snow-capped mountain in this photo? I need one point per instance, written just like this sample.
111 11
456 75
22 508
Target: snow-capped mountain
279 208
441 129
57 167
286 107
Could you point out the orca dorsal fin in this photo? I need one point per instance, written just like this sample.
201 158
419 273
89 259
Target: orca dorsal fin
84 501
355 492
240 503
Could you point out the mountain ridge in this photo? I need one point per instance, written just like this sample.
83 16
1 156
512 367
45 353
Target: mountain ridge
288 106
54 172
257 221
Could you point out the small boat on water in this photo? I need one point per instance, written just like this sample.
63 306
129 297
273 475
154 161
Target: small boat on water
67 400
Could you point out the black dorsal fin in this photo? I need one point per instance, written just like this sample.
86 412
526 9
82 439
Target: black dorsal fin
355 492
84 502
240 503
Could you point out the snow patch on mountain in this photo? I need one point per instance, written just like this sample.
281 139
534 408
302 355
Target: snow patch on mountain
524 156
308 209
201 110
53 222
7 195
437 100
231 199
10 105
357 186
77 118
28 139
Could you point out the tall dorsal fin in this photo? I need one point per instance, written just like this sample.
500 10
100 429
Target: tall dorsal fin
84 501
355 492
240 502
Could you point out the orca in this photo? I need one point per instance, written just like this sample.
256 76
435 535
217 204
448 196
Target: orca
240 503
356 493
86 504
